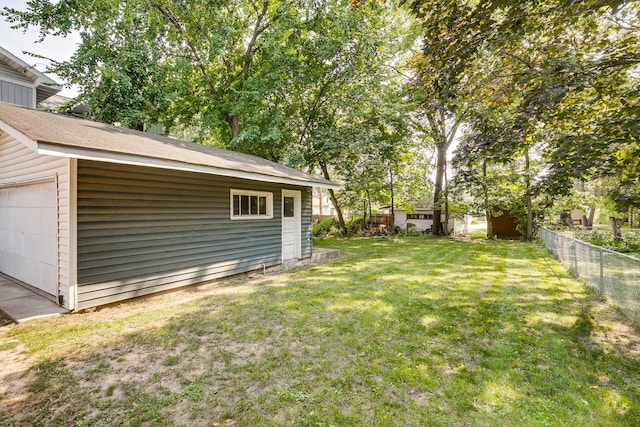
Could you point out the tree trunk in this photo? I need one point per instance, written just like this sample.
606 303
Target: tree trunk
393 212
443 139
234 126
588 219
364 215
487 208
332 197
368 205
529 235
447 231
616 225
336 205
437 207
488 216
446 203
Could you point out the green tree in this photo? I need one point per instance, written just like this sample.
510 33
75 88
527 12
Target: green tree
348 114
452 33
312 84
216 66
559 75
481 159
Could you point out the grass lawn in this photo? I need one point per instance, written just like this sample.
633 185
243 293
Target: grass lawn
409 332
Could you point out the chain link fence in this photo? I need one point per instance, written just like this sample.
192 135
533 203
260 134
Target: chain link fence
612 274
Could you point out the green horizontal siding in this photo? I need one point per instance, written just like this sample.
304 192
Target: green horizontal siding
307 217
143 230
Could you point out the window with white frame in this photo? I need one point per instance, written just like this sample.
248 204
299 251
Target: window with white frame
247 204
419 216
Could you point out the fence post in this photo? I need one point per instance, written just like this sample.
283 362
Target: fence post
601 272
575 256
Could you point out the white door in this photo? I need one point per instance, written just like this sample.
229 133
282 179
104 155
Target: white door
29 234
291 223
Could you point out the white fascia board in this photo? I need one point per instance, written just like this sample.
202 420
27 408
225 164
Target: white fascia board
131 159
19 136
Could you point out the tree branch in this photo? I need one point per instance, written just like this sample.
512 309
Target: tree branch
316 106
614 63
179 27
519 59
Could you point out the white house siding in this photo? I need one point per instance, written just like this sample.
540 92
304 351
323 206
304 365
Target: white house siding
142 230
35 178
400 220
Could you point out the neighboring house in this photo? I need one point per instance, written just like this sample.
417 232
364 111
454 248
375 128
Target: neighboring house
577 216
421 219
92 214
322 205
56 103
22 84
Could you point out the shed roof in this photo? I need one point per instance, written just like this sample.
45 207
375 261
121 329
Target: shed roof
66 136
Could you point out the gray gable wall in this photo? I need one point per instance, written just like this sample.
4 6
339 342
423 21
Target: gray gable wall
19 80
15 87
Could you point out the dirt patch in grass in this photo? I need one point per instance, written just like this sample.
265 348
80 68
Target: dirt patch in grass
107 352
615 334
15 373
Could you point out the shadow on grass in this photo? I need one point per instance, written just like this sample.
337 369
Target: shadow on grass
411 332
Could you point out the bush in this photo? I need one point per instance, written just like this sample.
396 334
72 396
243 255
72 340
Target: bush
328 226
354 223
408 232
595 237
630 240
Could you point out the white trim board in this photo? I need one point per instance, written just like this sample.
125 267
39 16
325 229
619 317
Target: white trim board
130 159
18 136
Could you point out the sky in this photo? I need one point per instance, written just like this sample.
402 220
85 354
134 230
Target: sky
56 48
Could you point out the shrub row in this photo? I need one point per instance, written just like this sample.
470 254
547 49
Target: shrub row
330 227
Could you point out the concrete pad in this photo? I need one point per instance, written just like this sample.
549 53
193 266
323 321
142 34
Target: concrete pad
22 304
7 291
320 256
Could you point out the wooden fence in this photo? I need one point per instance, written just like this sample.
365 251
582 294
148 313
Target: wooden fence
386 220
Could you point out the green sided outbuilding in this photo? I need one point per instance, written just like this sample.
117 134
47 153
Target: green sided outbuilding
92 214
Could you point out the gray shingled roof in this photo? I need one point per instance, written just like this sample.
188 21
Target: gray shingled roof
70 136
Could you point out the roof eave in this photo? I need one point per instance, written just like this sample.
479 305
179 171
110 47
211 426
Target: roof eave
40 79
18 136
49 149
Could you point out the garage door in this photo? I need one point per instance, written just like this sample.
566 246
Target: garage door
29 234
